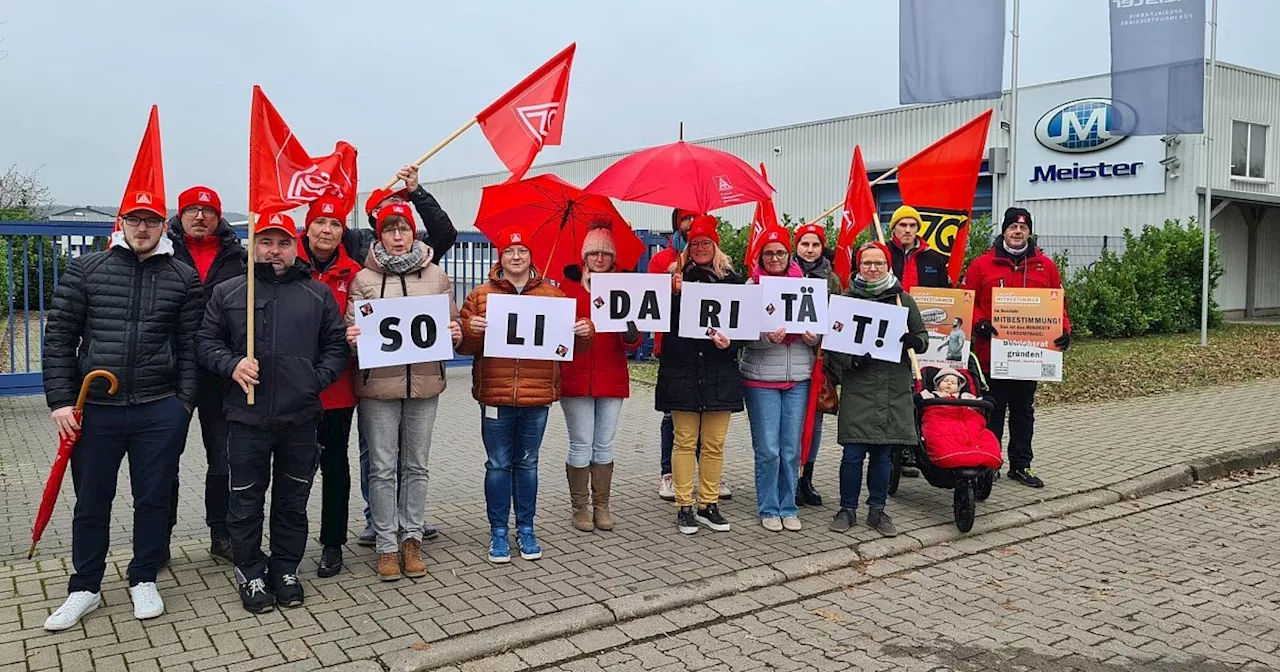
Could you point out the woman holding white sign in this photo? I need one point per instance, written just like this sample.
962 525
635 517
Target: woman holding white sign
398 403
775 372
592 388
811 246
876 407
699 384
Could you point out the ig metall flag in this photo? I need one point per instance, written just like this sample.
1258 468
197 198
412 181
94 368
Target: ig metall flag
950 50
1157 66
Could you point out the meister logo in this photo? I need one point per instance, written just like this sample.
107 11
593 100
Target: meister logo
1079 126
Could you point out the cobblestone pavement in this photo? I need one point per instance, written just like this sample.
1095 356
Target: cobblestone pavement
354 617
1193 586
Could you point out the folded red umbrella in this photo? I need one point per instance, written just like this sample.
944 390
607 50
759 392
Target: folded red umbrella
556 216
65 445
817 379
681 175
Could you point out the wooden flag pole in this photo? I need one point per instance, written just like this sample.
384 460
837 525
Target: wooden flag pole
249 283
889 173
915 363
423 159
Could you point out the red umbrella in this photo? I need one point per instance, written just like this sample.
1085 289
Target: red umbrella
557 216
680 175
817 379
65 446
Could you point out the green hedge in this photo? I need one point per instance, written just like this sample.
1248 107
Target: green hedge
28 287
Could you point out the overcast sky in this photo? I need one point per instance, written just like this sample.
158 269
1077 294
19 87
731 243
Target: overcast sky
394 78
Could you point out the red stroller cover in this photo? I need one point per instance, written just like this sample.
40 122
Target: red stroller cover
957 436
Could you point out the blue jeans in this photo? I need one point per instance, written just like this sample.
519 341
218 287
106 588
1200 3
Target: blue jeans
592 423
512 436
878 472
777 419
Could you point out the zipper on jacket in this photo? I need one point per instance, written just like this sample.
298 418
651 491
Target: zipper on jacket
151 309
515 386
408 368
266 320
130 358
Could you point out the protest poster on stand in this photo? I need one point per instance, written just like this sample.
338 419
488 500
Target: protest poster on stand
799 304
948 316
409 330
707 308
529 327
643 298
858 327
1027 322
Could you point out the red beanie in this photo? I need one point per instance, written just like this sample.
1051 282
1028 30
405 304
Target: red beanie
705 226
327 206
380 195
774 234
512 235
395 209
857 259
816 229
203 196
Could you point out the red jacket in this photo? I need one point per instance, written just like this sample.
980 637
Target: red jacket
660 263
341 271
601 371
957 436
995 268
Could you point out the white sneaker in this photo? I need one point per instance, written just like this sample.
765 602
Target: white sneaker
146 601
667 488
772 523
791 523
78 605
725 492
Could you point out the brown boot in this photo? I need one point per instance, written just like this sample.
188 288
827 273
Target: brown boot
389 566
601 481
579 496
411 552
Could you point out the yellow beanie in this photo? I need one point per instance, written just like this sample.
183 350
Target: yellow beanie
905 212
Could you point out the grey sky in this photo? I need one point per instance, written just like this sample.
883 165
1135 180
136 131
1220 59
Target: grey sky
394 78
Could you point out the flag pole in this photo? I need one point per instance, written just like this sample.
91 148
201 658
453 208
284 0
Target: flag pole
1013 112
249 283
423 159
829 211
911 354
1208 172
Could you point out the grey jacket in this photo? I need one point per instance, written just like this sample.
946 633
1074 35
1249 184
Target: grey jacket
769 362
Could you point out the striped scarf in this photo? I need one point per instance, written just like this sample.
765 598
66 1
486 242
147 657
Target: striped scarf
875 288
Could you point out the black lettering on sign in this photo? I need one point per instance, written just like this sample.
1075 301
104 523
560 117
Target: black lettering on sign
649 307
710 316
808 311
882 328
619 304
423 331
862 321
734 309
387 328
539 330
512 339
787 301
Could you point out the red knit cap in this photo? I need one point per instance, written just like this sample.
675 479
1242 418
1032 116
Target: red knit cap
705 226
328 206
512 235
202 196
815 229
395 209
774 234
857 259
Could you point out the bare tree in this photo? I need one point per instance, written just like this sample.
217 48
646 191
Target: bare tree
22 194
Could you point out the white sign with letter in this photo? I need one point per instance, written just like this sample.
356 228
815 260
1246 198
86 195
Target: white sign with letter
858 327
409 330
799 304
529 327
707 308
643 298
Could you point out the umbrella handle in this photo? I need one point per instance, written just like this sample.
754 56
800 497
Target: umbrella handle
88 381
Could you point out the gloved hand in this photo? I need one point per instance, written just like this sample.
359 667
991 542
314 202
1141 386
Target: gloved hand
909 343
985 329
632 335
862 360
573 273
1064 341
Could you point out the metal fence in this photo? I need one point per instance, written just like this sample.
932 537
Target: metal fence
1081 251
34 254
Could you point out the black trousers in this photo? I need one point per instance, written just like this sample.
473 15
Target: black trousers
286 459
334 437
147 434
213 432
1017 400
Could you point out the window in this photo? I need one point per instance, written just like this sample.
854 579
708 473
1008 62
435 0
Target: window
1248 149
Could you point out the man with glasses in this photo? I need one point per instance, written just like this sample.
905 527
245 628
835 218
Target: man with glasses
204 240
132 310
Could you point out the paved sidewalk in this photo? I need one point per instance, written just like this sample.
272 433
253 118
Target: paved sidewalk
353 616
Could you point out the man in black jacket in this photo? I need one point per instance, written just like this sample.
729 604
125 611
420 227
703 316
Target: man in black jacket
132 310
300 348
204 240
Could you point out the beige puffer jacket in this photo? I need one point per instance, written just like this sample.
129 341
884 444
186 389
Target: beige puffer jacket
413 381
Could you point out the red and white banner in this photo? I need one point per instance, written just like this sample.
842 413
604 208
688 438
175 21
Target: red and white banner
529 116
282 176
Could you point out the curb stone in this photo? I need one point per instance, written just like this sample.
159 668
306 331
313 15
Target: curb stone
821 572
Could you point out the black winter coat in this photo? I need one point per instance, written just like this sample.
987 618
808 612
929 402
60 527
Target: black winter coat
231 261
924 267
300 344
136 319
693 374
438 231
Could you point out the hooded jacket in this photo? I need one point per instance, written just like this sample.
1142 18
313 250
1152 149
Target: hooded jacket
920 266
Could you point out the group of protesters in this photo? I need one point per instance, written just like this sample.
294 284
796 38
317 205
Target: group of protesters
165 308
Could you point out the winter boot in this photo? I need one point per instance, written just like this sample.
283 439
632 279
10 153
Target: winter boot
601 482
580 496
805 487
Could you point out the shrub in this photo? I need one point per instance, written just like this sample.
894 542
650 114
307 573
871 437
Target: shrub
28 287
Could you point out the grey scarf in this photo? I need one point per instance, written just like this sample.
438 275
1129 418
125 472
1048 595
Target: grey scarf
400 264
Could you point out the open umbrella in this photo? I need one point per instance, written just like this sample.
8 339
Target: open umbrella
681 175
65 446
556 216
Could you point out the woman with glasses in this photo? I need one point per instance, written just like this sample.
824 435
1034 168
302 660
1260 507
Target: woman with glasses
811 248
775 372
398 403
876 407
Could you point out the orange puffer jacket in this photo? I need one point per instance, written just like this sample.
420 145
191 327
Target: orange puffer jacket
510 382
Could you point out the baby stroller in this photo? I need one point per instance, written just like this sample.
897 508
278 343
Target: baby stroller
970 477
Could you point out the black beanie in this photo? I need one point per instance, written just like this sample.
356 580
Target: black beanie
1013 215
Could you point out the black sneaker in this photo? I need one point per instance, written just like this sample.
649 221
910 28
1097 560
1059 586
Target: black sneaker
686 522
1026 477
256 597
330 562
220 547
288 590
709 515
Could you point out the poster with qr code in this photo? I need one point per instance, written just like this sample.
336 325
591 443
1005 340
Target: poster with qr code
1027 322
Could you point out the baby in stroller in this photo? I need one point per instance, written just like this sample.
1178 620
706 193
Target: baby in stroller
956 436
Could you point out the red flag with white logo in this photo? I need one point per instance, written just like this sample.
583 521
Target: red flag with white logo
282 176
765 215
529 116
859 212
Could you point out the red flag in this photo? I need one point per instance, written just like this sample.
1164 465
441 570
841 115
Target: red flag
859 212
940 182
530 115
765 215
282 176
